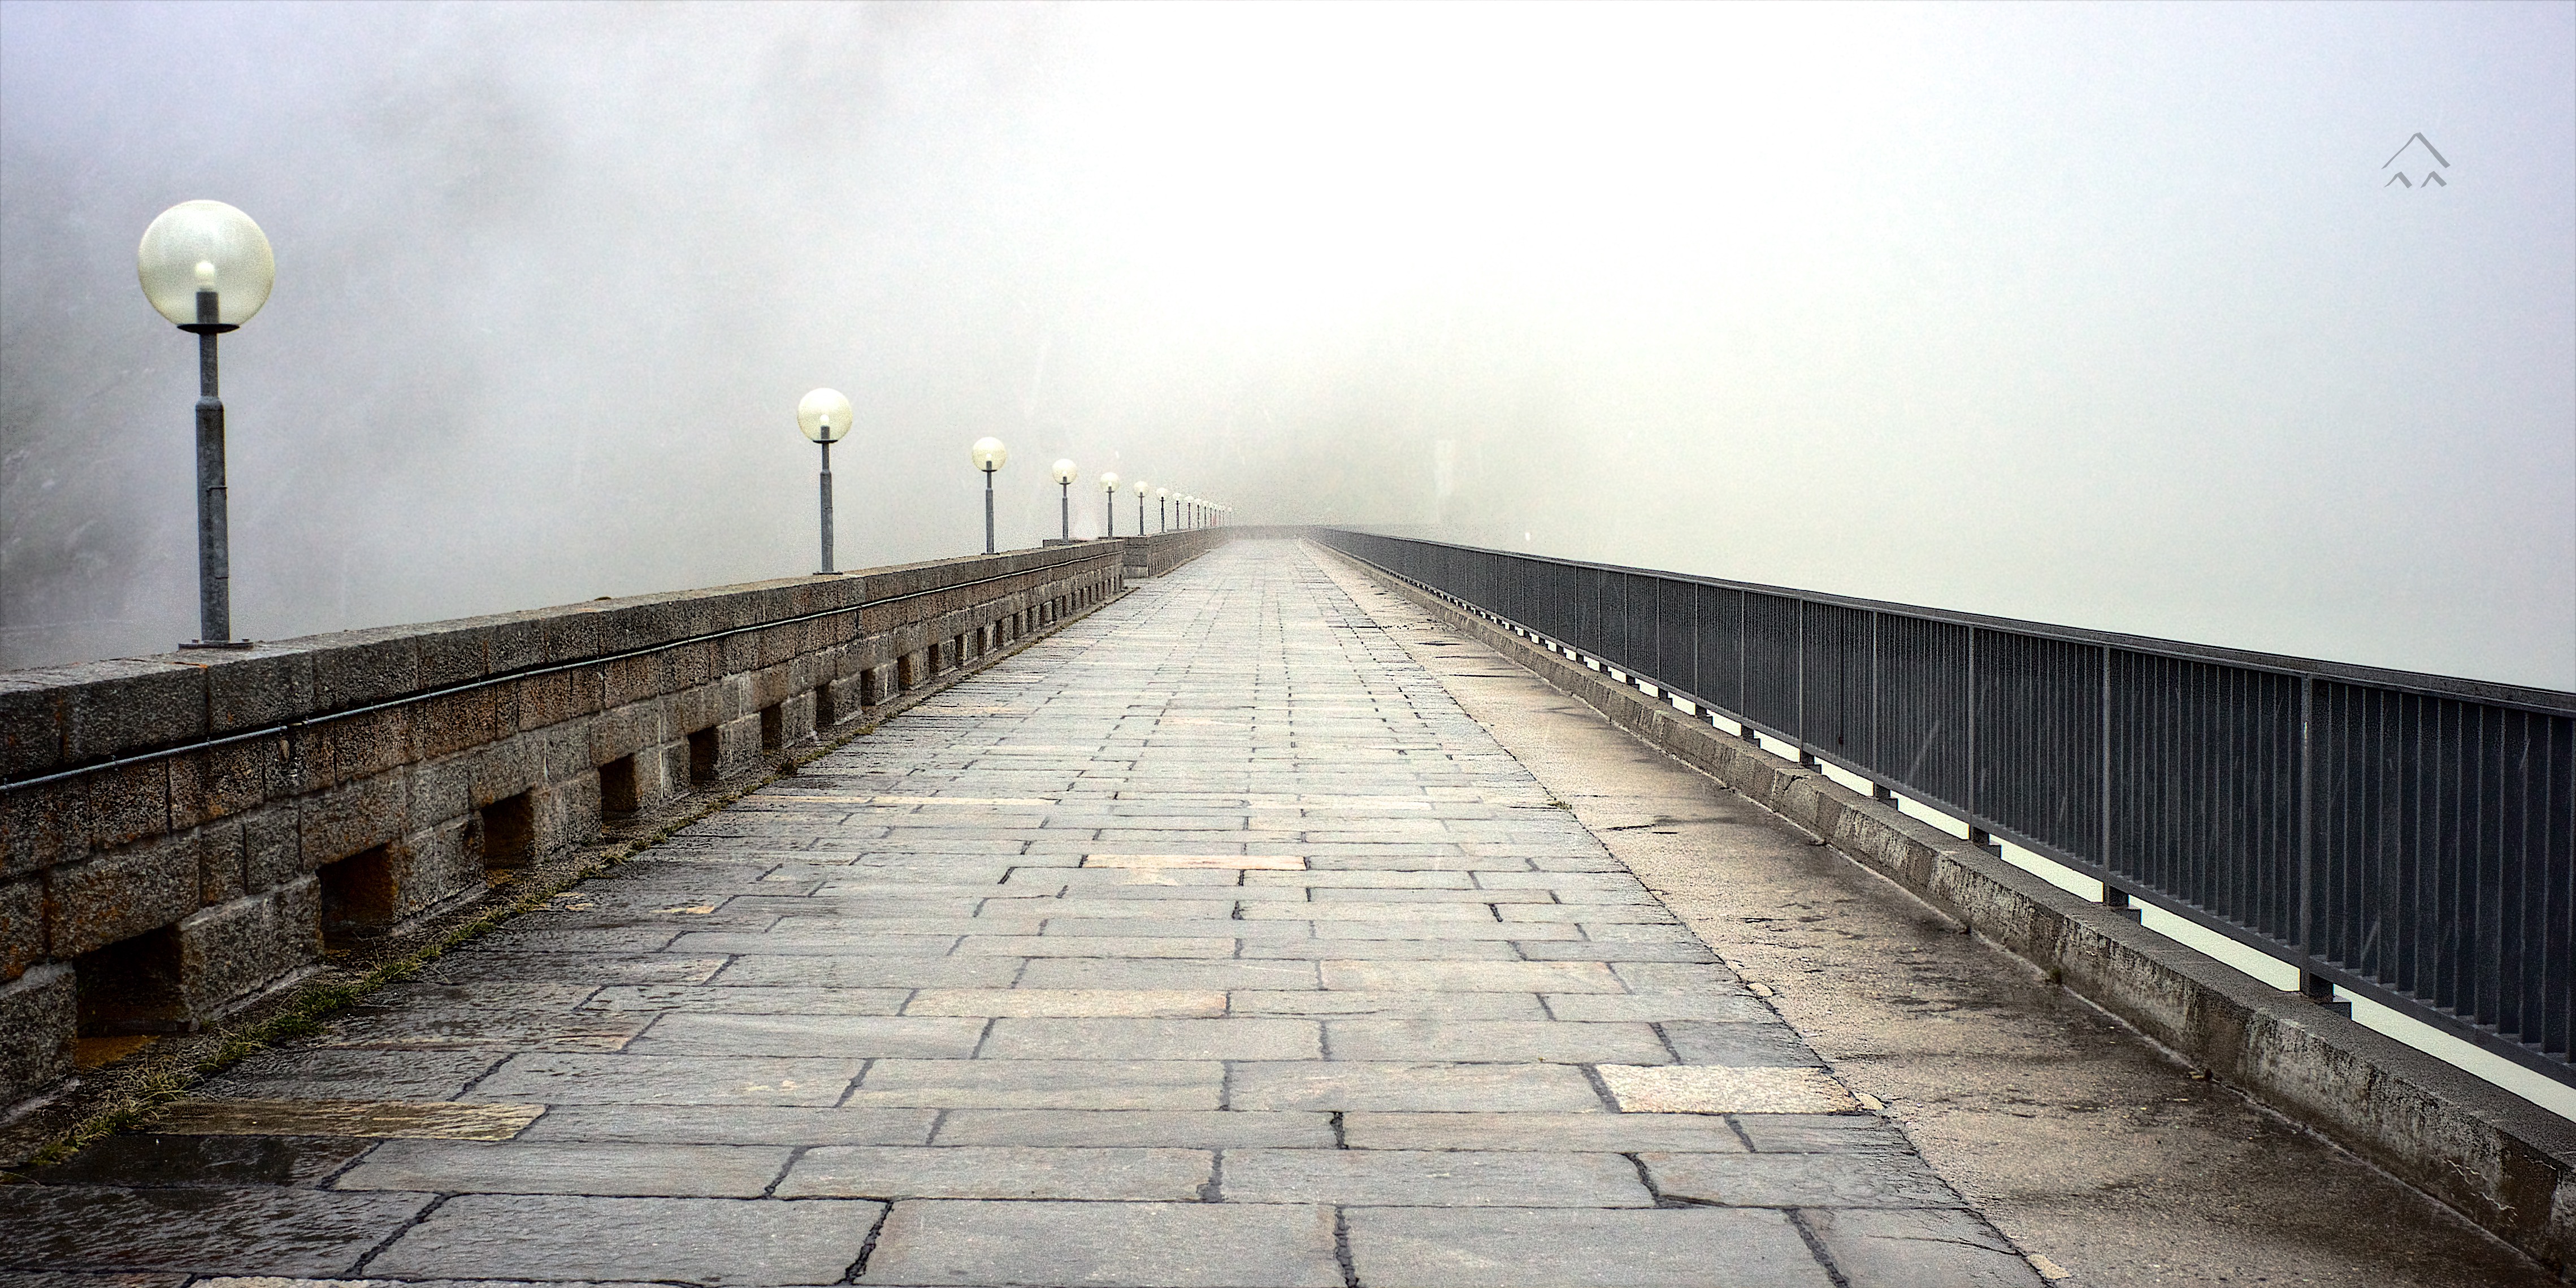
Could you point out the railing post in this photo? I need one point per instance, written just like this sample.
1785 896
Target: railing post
1805 756
2316 988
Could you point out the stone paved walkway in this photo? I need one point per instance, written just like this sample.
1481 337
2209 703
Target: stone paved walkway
1207 942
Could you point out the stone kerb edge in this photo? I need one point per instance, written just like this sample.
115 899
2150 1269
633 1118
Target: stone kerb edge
2505 1164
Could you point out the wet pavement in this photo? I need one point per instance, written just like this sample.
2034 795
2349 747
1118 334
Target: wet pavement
1206 942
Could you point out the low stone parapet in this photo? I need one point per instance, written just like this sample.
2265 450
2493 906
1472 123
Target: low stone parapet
181 833
1160 553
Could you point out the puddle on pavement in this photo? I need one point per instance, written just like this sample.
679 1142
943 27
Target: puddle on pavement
157 1159
412 1119
93 1053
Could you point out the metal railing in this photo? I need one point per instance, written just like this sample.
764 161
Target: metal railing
2410 839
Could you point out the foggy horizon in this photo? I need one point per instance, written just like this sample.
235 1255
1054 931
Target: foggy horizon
2098 316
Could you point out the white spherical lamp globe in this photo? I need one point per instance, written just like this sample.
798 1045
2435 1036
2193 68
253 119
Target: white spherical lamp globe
199 246
1064 472
989 454
824 415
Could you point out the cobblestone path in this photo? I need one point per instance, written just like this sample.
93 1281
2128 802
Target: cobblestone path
1205 943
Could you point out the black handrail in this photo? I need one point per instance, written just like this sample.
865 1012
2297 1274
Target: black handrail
2408 838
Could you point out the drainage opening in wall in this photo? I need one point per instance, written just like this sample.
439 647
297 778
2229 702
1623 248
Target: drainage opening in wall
825 716
128 992
773 728
508 831
617 787
702 756
358 898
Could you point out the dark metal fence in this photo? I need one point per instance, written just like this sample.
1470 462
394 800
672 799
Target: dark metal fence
2408 838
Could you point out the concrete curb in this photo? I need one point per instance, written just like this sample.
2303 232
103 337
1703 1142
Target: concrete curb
2505 1164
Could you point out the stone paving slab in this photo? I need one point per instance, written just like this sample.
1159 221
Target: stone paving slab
1430 1247
264 1230
705 1241
1132 1245
1207 942
1001 1172
515 1167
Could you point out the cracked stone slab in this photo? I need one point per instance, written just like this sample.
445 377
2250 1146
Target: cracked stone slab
1920 1249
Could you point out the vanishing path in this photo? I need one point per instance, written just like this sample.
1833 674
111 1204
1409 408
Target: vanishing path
1206 942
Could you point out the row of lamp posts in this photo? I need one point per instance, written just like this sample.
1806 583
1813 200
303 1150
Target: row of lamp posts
824 415
208 268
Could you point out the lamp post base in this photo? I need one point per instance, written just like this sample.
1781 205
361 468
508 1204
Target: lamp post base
236 644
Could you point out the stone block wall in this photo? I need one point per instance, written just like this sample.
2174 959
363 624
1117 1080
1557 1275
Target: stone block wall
180 833
1155 555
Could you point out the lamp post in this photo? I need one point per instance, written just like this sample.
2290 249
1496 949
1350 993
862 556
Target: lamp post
1064 473
1109 504
824 415
989 455
1141 485
207 267
1162 517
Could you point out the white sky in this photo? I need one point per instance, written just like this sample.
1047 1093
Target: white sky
2099 315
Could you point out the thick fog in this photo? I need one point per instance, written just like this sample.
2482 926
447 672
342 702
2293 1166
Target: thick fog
2106 316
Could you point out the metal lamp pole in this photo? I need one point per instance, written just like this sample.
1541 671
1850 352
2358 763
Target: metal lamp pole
989 455
826 445
207 267
824 415
1109 505
214 537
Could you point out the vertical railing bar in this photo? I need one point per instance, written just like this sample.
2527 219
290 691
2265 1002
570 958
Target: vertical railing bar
1968 675
1806 750
2306 872
2109 896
